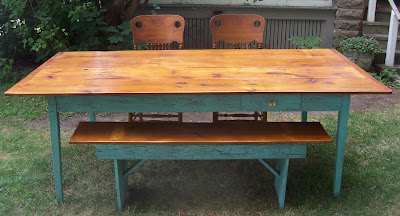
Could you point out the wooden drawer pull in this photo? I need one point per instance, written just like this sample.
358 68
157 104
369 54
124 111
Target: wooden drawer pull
272 103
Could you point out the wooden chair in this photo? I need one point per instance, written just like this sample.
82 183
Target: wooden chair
238 31
158 32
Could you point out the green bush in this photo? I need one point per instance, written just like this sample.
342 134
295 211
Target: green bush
42 28
119 37
33 31
311 42
6 71
360 44
388 77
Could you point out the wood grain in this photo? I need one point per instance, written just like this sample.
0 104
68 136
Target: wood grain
227 71
158 31
237 30
227 132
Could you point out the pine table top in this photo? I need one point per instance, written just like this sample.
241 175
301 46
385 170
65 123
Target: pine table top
211 71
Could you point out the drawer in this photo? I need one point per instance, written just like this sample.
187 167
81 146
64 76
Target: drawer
322 102
272 103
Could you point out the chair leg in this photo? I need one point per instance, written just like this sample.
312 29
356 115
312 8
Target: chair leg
304 116
264 116
130 117
280 181
121 183
256 115
180 117
215 117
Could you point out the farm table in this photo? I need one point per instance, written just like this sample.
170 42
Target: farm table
198 81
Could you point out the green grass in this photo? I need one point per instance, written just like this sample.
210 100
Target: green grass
371 177
28 108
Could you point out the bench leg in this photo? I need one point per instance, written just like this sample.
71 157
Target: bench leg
121 182
304 116
280 181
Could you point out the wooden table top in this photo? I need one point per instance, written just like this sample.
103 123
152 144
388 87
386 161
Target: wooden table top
218 71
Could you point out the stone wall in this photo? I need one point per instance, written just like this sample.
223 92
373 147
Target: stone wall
348 17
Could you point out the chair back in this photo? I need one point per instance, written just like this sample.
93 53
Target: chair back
158 31
237 30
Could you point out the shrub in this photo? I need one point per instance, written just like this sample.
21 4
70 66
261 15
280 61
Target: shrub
311 42
45 27
33 31
360 44
388 77
6 71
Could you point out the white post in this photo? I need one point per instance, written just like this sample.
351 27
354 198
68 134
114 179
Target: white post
371 10
392 40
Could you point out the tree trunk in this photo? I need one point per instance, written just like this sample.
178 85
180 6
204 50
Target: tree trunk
121 11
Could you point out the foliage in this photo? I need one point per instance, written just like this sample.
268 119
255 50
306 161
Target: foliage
39 29
254 1
6 70
154 11
11 72
311 42
360 44
388 77
119 37
42 28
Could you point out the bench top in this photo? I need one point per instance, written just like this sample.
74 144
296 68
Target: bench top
224 132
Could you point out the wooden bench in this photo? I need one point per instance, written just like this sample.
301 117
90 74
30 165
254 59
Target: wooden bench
121 141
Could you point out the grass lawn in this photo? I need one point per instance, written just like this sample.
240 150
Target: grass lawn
370 186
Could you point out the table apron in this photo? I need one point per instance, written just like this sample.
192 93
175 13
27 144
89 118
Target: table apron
200 103
200 152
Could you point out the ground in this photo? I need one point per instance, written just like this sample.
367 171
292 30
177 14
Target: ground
374 101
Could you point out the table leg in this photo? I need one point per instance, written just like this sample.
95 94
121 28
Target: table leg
92 116
341 143
303 116
121 183
55 146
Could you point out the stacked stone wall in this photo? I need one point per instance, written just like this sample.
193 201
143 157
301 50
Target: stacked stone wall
348 17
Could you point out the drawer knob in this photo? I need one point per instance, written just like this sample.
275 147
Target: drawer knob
272 103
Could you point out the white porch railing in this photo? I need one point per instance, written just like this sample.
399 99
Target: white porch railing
393 29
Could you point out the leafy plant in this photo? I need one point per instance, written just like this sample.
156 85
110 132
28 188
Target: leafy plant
388 77
142 46
119 37
247 4
43 28
6 66
360 44
154 11
311 42
39 29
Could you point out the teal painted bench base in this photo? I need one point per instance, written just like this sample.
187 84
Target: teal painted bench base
121 153
229 140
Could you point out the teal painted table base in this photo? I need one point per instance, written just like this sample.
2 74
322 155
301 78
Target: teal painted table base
121 153
198 103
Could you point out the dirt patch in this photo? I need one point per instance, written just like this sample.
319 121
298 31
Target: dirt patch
4 156
374 101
